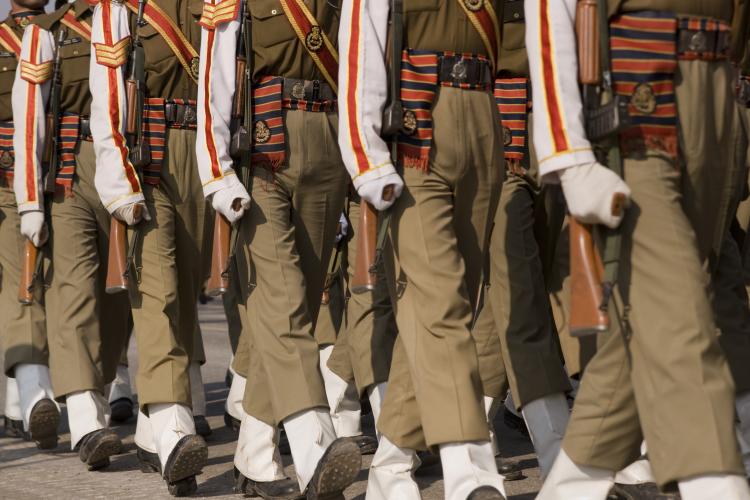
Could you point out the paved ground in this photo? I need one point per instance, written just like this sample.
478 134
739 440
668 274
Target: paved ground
29 474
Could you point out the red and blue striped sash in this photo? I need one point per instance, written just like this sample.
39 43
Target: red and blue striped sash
155 134
644 62
419 83
269 144
419 80
513 103
68 135
6 148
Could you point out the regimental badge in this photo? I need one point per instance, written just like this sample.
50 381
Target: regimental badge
698 42
643 99
410 122
507 136
458 72
6 159
298 90
24 22
262 132
195 66
314 39
474 5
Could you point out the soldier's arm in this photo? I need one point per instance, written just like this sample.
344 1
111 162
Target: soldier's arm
363 88
31 89
559 136
116 179
216 86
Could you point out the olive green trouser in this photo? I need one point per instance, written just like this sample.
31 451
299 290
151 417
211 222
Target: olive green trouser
363 352
517 300
170 275
439 230
673 378
87 327
23 332
287 236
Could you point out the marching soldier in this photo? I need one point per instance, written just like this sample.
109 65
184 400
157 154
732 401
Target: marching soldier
149 181
516 297
51 100
451 148
29 396
297 187
665 375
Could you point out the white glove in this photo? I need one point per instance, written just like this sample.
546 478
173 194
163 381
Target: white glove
129 215
589 190
343 228
34 228
372 190
231 202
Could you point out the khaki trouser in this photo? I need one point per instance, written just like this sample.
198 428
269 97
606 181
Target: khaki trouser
517 299
87 327
675 378
170 275
331 317
439 230
364 350
287 236
23 332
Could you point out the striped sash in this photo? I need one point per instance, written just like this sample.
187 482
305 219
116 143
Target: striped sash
512 99
419 83
9 40
155 134
644 61
6 150
173 36
269 143
711 27
70 126
77 25
313 38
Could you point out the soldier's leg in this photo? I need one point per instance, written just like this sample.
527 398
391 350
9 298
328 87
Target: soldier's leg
673 379
197 389
289 231
88 329
439 230
23 334
522 313
170 248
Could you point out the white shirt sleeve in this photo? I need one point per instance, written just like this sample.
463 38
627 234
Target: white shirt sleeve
363 93
559 134
216 87
31 89
116 179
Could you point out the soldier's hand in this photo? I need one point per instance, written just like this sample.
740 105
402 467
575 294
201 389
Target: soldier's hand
132 213
595 194
231 202
382 192
34 228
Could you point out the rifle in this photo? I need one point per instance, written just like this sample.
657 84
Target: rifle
140 156
225 236
373 230
592 278
31 257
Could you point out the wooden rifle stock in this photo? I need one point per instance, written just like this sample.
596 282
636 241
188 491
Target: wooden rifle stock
586 275
117 260
365 277
587 33
131 94
218 281
49 142
28 271
238 104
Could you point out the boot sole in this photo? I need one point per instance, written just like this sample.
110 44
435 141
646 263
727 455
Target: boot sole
191 457
43 424
106 447
183 488
487 495
337 470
